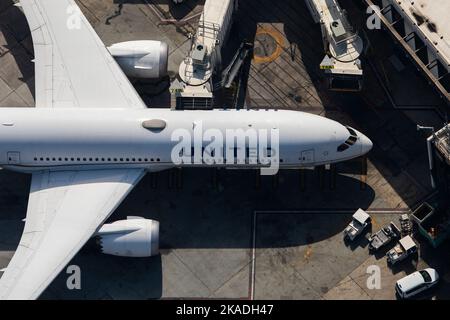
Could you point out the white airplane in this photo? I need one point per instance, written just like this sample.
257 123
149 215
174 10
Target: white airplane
91 138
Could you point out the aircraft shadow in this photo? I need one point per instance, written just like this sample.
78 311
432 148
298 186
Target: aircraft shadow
196 214
16 33
177 11
216 209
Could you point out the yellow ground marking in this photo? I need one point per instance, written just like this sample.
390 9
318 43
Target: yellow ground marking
279 39
374 222
308 253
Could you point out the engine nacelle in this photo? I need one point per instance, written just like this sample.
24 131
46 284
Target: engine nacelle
134 237
144 59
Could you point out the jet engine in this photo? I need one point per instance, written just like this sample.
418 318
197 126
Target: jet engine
144 59
134 237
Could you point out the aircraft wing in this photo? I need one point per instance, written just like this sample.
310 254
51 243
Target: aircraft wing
73 68
64 210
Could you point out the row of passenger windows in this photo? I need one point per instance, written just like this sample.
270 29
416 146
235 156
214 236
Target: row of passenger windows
98 159
267 153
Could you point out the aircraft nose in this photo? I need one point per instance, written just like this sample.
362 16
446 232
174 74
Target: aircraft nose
366 144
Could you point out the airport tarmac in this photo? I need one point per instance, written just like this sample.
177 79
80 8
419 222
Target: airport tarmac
235 234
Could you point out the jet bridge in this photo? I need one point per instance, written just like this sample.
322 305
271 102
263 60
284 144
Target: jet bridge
433 216
342 46
204 59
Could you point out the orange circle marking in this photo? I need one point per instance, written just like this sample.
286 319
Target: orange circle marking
279 39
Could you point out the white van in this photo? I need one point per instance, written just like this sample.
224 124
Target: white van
416 282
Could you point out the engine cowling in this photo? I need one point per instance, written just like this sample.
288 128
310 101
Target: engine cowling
134 237
145 59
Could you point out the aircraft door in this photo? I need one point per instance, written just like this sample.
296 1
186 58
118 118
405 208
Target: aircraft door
13 157
307 156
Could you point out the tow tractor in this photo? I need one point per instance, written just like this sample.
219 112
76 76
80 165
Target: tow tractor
360 221
405 248
384 236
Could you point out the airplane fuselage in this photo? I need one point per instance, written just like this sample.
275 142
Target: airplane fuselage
63 139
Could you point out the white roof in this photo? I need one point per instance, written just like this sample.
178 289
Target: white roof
431 16
411 281
361 216
407 242
214 12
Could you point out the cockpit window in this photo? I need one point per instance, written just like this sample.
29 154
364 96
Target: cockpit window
352 132
350 141
342 147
